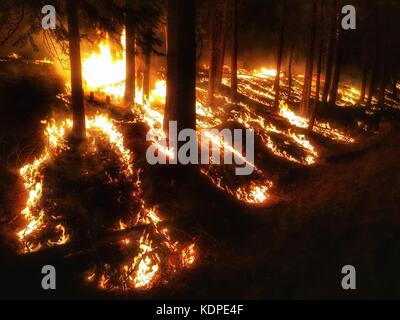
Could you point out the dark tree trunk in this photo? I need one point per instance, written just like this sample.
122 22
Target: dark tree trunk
375 66
222 42
305 98
337 68
382 85
234 53
78 109
329 59
130 57
364 81
290 76
217 46
319 68
394 83
279 60
146 75
383 63
382 75
181 64
212 68
374 79
365 69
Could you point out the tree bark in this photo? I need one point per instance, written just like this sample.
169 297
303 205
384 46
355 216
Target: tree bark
382 74
290 76
337 67
374 79
181 64
146 75
394 83
375 68
130 57
234 54
329 60
217 33
222 42
78 109
364 81
279 60
319 68
305 98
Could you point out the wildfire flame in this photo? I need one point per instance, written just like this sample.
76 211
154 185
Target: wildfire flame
256 84
146 265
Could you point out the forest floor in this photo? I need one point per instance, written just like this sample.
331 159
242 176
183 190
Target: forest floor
340 212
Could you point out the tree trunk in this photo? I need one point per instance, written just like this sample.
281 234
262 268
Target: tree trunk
212 68
382 84
78 109
319 68
146 75
234 54
181 65
364 81
217 46
394 83
305 98
279 60
130 57
374 77
374 81
290 76
382 74
329 59
222 42
337 68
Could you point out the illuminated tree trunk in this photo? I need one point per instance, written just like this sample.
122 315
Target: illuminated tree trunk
181 64
130 80
290 76
279 60
337 68
146 75
115 47
364 82
329 59
374 81
78 109
234 54
319 68
305 98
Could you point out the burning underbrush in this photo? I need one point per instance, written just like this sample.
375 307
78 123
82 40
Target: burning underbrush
284 137
84 193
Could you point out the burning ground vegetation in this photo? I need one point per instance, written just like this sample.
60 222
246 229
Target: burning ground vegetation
145 251
73 200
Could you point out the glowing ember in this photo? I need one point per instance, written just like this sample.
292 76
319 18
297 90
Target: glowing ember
254 193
